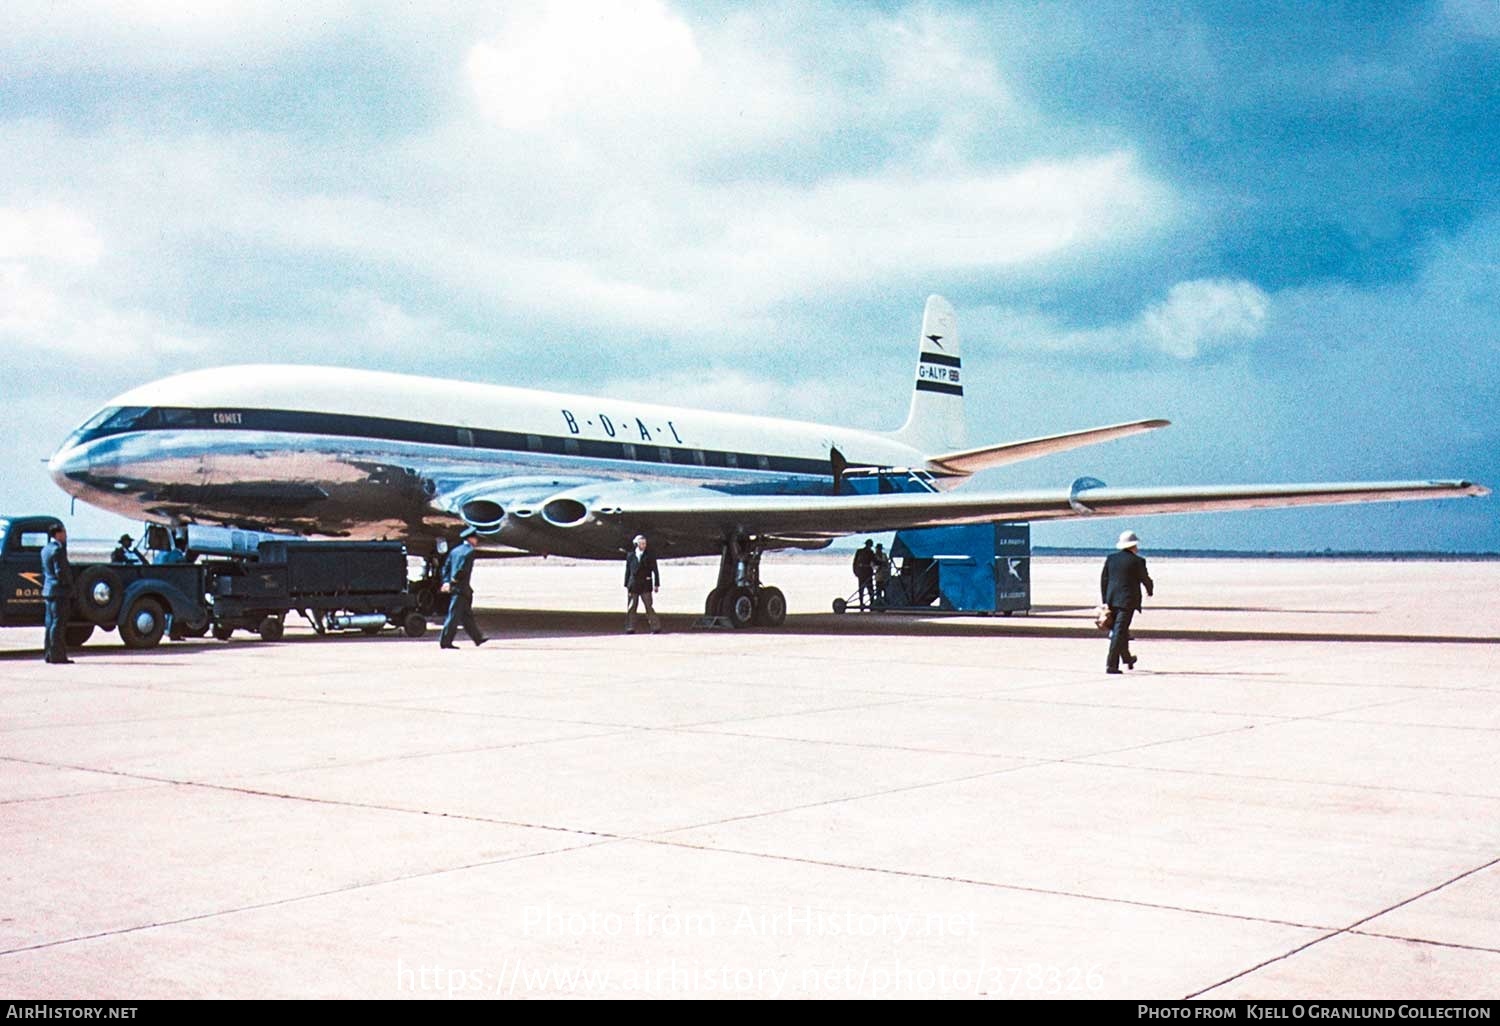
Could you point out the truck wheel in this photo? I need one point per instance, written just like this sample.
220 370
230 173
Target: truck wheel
770 608
415 625
78 633
271 628
143 623
223 631
99 594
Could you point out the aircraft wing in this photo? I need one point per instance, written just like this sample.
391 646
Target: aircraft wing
970 461
683 513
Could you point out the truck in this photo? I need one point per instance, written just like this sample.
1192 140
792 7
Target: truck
139 600
335 585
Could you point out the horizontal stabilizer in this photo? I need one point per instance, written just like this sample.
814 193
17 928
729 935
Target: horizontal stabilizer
970 461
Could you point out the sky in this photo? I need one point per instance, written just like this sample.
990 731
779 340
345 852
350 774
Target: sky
1275 224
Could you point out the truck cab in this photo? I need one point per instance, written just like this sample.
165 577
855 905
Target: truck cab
21 541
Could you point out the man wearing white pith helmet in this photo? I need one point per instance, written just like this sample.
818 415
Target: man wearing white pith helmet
642 578
1120 587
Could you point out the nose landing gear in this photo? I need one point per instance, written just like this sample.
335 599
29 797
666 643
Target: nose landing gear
740 597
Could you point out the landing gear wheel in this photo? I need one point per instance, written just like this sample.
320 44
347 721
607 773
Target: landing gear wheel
143 623
271 628
770 608
739 607
78 633
223 631
415 625
714 602
840 606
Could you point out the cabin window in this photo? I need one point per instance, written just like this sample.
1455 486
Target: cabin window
570 446
764 462
33 540
466 437
628 451
699 458
731 460
178 418
534 443
664 454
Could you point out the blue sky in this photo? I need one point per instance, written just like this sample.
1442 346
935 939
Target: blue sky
1277 225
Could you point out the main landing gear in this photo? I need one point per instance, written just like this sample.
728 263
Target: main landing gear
739 597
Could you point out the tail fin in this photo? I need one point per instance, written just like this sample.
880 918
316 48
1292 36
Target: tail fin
936 421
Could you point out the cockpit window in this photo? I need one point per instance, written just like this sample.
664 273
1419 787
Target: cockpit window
99 418
125 418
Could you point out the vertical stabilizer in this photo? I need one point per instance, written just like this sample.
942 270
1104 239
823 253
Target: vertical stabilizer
936 421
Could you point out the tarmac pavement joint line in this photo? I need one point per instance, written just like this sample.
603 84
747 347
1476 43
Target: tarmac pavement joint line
293 899
1351 928
1092 760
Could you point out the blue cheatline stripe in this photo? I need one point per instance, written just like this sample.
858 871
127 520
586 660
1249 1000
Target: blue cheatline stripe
941 360
387 429
938 386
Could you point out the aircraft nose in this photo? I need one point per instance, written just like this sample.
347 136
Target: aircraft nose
69 464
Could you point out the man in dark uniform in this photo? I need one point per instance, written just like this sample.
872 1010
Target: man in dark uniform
57 593
642 578
456 573
1120 585
125 551
882 573
864 572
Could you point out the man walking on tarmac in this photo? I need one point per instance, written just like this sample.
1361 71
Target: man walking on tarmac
456 574
1120 584
57 593
641 579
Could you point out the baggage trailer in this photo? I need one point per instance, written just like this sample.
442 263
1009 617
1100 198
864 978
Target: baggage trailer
334 585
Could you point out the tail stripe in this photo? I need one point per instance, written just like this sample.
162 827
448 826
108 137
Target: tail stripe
939 386
941 360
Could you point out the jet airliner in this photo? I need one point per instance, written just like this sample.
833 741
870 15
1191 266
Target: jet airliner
364 454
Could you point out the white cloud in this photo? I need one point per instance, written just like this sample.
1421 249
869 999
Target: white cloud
88 35
49 297
1204 314
1196 318
595 59
50 233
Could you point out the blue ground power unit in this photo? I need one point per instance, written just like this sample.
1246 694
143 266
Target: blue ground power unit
977 568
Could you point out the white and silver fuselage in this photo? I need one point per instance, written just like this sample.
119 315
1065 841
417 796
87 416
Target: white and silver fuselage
365 454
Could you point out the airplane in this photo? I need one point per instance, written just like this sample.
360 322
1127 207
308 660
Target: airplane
373 455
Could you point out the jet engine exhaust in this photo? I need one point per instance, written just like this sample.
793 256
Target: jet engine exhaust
565 512
483 515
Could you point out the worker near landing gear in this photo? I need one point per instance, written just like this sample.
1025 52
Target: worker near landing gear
864 572
642 579
456 574
882 574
